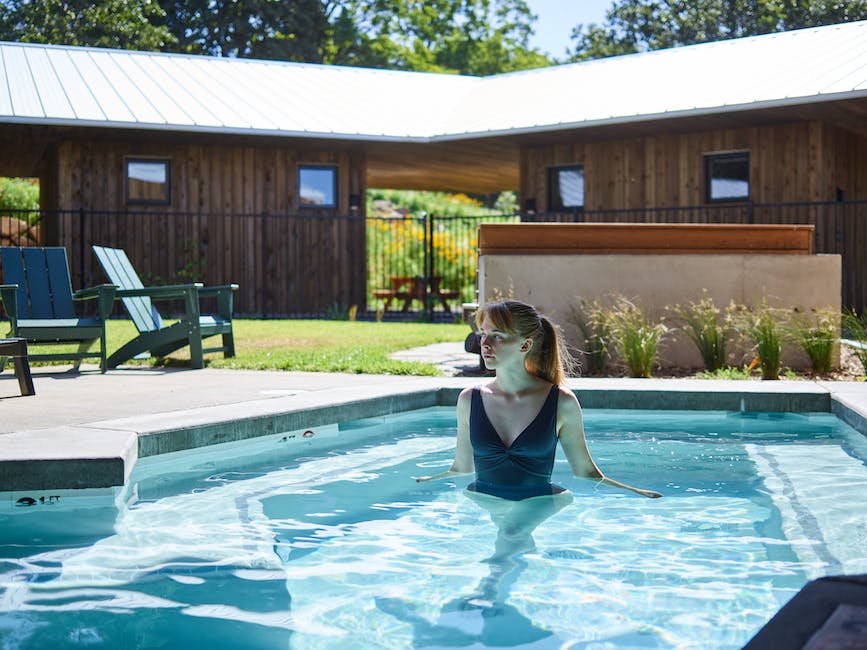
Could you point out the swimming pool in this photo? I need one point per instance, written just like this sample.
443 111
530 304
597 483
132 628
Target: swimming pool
327 542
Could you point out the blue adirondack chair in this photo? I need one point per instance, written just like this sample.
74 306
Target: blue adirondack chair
155 336
38 299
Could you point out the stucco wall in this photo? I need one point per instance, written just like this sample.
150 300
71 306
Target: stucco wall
556 283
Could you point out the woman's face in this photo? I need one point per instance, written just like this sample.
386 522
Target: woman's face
499 346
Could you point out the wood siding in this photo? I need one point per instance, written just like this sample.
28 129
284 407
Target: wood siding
206 178
805 161
226 221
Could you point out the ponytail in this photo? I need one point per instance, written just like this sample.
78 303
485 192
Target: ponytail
551 360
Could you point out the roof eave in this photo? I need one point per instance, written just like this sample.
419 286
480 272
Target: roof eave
651 117
218 130
441 137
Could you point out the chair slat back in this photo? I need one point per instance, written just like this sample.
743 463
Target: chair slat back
59 282
120 271
42 276
13 273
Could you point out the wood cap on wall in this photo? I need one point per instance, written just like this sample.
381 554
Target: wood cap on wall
644 239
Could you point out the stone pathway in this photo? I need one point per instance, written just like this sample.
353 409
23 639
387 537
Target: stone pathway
448 357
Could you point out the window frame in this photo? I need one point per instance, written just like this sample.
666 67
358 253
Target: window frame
324 206
167 194
709 160
555 169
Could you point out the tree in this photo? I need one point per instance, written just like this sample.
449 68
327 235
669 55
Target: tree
269 29
125 24
465 36
641 25
478 37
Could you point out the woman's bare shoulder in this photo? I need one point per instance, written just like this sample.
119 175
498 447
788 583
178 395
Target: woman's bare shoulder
567 402
465 397
467 392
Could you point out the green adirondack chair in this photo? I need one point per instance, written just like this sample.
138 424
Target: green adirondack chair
38 299
155 336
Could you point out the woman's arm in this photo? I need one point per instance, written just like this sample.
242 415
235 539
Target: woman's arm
463 463
570 428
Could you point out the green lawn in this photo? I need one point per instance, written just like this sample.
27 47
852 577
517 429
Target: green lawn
313 345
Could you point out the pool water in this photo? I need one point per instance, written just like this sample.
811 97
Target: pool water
328 542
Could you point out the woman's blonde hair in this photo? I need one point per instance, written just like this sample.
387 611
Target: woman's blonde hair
548 358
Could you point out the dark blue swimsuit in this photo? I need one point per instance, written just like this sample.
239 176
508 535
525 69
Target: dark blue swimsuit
522 470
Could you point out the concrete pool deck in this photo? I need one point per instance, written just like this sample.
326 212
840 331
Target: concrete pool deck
87 429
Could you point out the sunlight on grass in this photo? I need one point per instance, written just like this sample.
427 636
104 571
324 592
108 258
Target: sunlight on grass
335 346
310 345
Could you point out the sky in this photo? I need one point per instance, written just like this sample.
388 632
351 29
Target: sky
556 18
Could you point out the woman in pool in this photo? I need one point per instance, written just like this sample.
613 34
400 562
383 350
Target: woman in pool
507 434
508 429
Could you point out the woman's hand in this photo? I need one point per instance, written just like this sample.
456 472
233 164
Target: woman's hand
436 477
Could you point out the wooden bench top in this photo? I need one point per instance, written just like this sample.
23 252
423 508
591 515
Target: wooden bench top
643 239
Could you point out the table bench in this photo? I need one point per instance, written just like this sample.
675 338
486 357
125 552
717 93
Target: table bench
409 288
17 349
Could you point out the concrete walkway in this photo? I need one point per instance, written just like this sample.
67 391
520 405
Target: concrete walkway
88 429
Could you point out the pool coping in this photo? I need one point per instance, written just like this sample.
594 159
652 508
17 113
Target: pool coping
102 453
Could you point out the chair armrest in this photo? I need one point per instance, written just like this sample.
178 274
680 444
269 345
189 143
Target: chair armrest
9 298
94 292
217 290
189 293
225 298
169 292
104 293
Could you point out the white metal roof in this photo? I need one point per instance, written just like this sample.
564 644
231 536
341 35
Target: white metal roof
58 85
803 66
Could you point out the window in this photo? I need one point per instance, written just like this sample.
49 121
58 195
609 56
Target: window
148 181
566 187
317 187
728 176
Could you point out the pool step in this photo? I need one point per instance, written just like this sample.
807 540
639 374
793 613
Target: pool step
818 490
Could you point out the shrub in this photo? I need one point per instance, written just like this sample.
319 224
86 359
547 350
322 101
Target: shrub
855 328
634 336
19 194
763 325
593 326
817 335
725 373
710 334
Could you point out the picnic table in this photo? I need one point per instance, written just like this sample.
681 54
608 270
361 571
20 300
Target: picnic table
409 288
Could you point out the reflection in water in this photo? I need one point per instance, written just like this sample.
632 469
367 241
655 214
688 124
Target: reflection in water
485 616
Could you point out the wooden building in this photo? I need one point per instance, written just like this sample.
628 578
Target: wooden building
173 155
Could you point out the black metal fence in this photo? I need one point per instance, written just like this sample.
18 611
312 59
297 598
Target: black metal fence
306 266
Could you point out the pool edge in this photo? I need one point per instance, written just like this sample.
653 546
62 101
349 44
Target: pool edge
107 451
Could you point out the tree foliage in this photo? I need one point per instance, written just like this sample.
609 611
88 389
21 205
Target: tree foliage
641 25
124 24
477 37
19 194
268 29
463 36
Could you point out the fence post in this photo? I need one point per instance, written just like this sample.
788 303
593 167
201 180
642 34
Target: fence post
429 266
81 249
